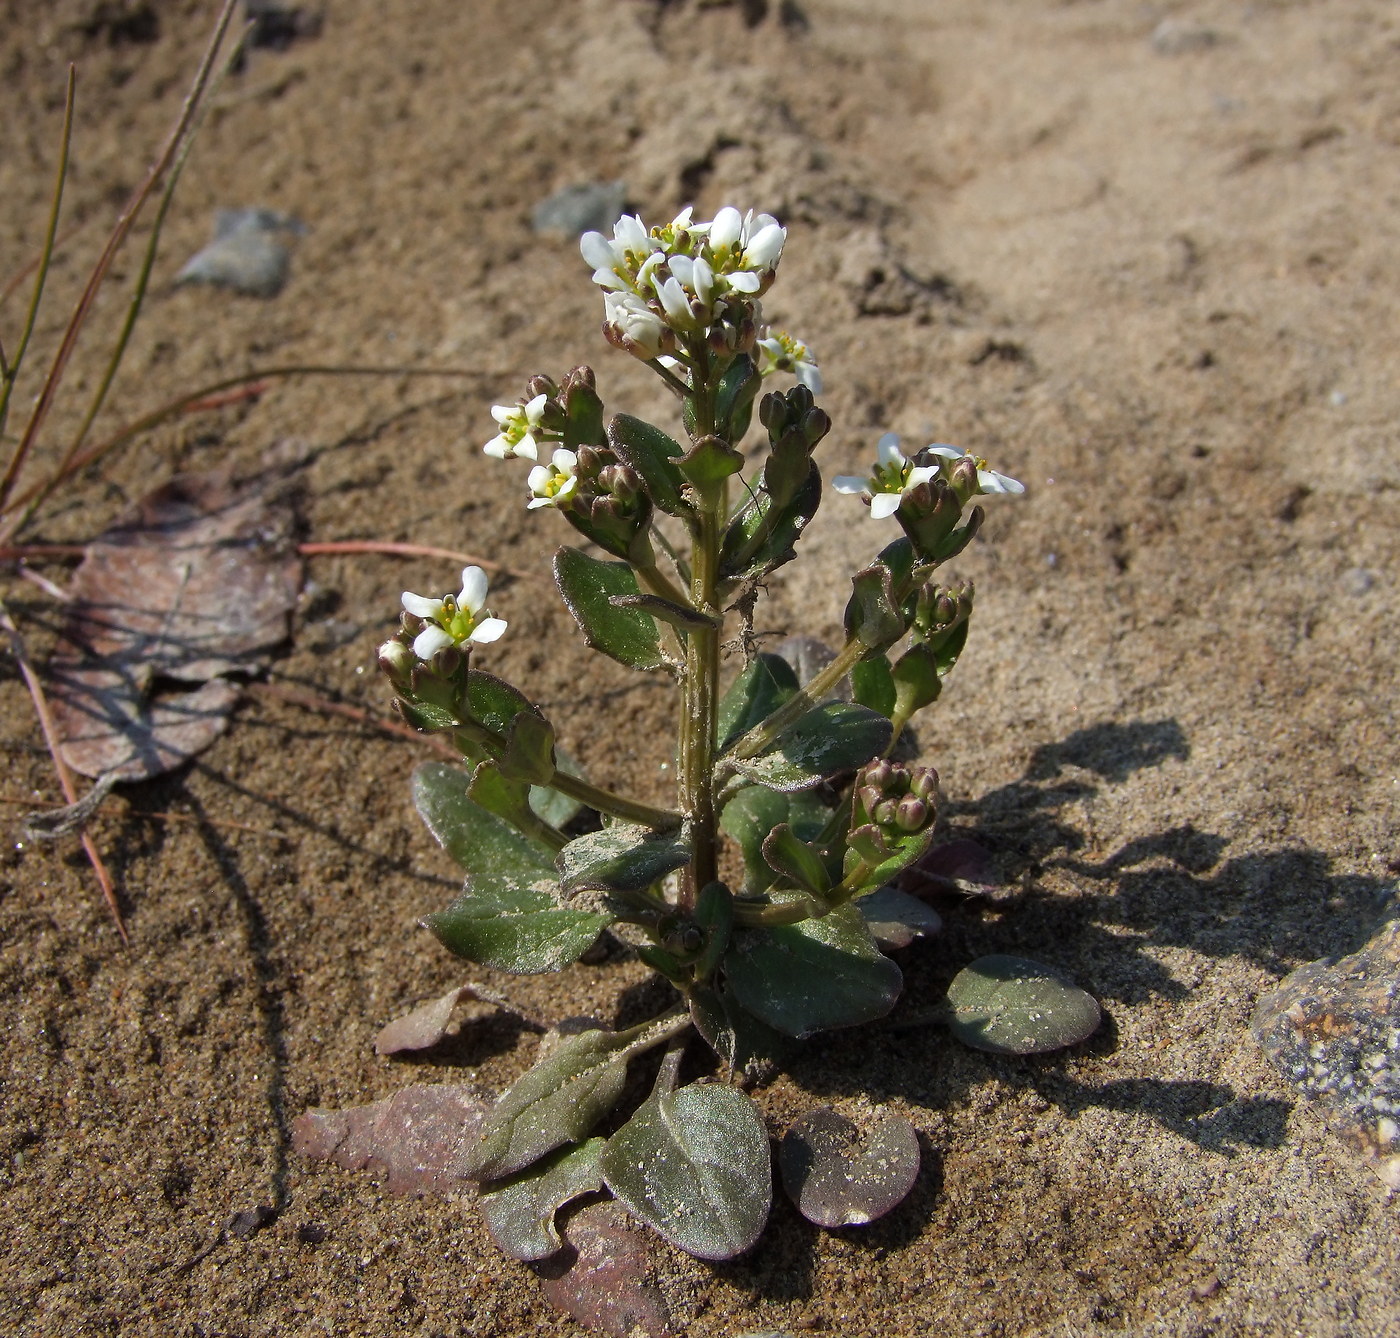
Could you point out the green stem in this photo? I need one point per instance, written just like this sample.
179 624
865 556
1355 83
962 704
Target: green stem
765 734
772 914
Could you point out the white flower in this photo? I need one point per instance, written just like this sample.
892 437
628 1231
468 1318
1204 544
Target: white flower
892 477
988 480
780 352
518 423
553 484
454 621
745 243
633 325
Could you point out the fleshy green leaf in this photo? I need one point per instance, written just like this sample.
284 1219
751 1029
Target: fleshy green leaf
559 1100
548 803
873 616
765 684
684 618
492 702
1014 1006
425 716
828 740
754 812
480 841
814 975
761 538
515 925
709 462
519 1212
588 586
653 455
694 1165
872 685
743 1042
788 855
501 796
620 858
529 754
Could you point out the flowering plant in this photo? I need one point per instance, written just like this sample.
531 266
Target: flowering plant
798 775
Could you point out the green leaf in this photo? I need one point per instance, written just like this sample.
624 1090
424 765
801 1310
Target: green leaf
761 538
548 803
714 913
766 682
425 716
788 855
709 462
738 386
620 858
828 740
501 796
814 975
1014 1006
479 840
694 1165
557 1101
872 685
588 586
515 925
653 455
873 616
492 702
901 854
741 1041
916 680
754 812
529 754
519 1212
677 615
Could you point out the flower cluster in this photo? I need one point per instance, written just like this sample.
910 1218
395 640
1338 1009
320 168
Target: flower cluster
687 281
896 475
522 429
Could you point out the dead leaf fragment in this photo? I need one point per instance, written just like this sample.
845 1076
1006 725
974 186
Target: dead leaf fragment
418 1139
196 583
427 1024
602 1276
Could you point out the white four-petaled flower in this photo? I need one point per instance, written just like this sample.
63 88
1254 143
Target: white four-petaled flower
780 352
892 477
454 621
518 423
553 484
988 480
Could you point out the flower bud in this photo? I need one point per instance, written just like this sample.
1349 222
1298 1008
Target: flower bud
911 814
540 384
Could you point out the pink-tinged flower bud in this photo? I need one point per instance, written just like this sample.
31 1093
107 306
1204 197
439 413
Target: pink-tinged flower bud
884 812
540 384
911 814
923 784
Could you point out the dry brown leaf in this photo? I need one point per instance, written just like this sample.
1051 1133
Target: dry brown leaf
197 582
418 1139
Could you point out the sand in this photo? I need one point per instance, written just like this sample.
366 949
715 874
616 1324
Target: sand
1142 257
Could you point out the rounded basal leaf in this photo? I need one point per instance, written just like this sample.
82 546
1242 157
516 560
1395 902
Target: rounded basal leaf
519 1212
812 976
694 1165
1014 1006
895 919
838 1176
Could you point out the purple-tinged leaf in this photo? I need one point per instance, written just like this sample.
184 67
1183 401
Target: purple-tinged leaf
603 1279
427 1024
838 1176
419 1139
955 866
895 919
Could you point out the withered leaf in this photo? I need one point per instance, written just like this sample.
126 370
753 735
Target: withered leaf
427 1024
602 1276
839 1176
418 1139
194 584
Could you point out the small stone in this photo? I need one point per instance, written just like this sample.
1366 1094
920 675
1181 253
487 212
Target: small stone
250 252
1332 1027
588 207
1357 581
1172 37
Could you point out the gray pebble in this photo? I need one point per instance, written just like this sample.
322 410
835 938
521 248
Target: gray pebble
1357 581
250 252
1172 37
591 207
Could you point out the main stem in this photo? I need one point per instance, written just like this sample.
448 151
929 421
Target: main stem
700 693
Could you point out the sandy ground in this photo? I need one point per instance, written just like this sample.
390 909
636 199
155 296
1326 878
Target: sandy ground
1142 256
